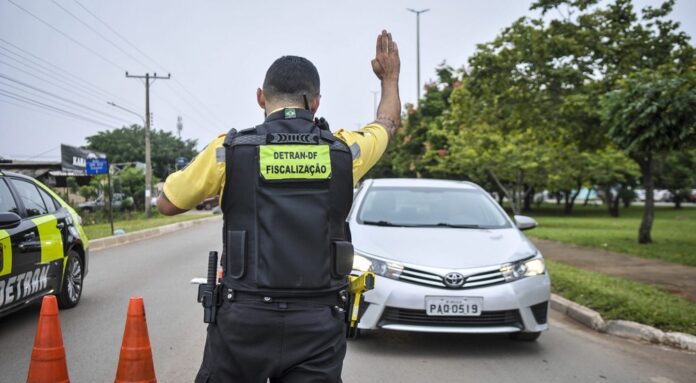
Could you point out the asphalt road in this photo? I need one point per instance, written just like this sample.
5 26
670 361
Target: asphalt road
159 270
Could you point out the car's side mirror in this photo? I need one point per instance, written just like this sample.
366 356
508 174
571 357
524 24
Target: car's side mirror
9 220
525 223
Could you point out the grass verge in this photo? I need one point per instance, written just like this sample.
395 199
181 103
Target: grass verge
102 230
591 226
617 298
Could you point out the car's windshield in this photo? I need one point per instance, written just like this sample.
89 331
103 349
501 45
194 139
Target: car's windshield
430 207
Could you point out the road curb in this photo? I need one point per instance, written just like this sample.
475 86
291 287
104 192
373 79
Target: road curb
580 313
635 331
622 328
118 240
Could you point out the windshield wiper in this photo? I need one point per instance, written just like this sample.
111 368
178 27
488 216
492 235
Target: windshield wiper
380 223
457 226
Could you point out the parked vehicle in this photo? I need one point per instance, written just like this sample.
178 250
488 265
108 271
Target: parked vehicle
43 248
447 259
100 203
662 195
208 203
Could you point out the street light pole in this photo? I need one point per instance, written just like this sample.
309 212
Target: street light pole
126 110
418 13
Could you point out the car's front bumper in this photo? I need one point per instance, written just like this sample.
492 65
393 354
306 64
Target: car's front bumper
507 307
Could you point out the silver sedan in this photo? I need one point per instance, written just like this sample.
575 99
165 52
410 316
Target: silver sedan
447 259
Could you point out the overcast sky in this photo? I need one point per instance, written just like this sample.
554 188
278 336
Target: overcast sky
217 53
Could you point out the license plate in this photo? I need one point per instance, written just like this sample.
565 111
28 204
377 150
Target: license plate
453 306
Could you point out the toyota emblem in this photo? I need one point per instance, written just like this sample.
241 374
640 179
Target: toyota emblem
454 280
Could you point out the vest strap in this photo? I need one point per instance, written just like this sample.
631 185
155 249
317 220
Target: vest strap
251 139
234 139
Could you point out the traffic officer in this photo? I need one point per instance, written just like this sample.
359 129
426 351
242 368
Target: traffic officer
286 190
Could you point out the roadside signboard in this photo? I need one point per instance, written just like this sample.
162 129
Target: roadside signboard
96 166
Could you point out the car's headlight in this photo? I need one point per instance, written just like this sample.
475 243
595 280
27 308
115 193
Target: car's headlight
362 263
518 270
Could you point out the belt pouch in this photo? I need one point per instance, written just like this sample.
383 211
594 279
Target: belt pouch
342 254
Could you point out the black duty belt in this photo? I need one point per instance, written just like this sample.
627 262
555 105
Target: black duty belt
338 298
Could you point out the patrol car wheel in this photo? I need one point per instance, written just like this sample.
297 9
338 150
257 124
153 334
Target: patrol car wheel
72 282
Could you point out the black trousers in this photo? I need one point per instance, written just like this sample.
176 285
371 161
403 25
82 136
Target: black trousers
256 342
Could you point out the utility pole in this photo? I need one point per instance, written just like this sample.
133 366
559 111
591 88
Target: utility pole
179 125
148 160
418 13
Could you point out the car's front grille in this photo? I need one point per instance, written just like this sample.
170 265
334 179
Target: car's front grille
540 311
420 277
484 279
393 315
426 278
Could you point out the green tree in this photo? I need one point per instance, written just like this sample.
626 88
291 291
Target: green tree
652 113
88 192
132 184
614 174
532 86
72 185
416 150
127 144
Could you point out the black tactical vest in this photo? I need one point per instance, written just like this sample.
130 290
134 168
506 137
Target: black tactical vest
288 190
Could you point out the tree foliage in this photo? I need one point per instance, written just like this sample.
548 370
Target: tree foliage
131 182
127 144
559 103
649 114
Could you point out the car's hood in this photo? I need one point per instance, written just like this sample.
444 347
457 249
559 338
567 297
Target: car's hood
442 247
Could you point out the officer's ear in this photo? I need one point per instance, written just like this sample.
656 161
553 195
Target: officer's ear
314 104
260 98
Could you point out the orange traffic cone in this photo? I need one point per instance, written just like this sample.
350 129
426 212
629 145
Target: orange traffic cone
48 363
135 363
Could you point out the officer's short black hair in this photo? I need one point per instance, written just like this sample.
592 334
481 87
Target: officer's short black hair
291 77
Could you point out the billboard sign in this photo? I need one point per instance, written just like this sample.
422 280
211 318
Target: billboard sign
74 159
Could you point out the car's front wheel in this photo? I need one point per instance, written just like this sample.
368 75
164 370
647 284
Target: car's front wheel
525 336
71 292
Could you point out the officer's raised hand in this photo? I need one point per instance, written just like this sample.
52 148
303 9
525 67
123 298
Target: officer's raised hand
387 66
386 63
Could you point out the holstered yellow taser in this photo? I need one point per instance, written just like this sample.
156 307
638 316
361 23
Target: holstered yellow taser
357 287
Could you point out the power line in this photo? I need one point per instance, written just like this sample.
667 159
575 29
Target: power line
42 110
77 89
2 75
19 97
65 100
40 78
98 33
44 152
66 36
57 77
60 71
119 35
174 108
30 101
204 114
